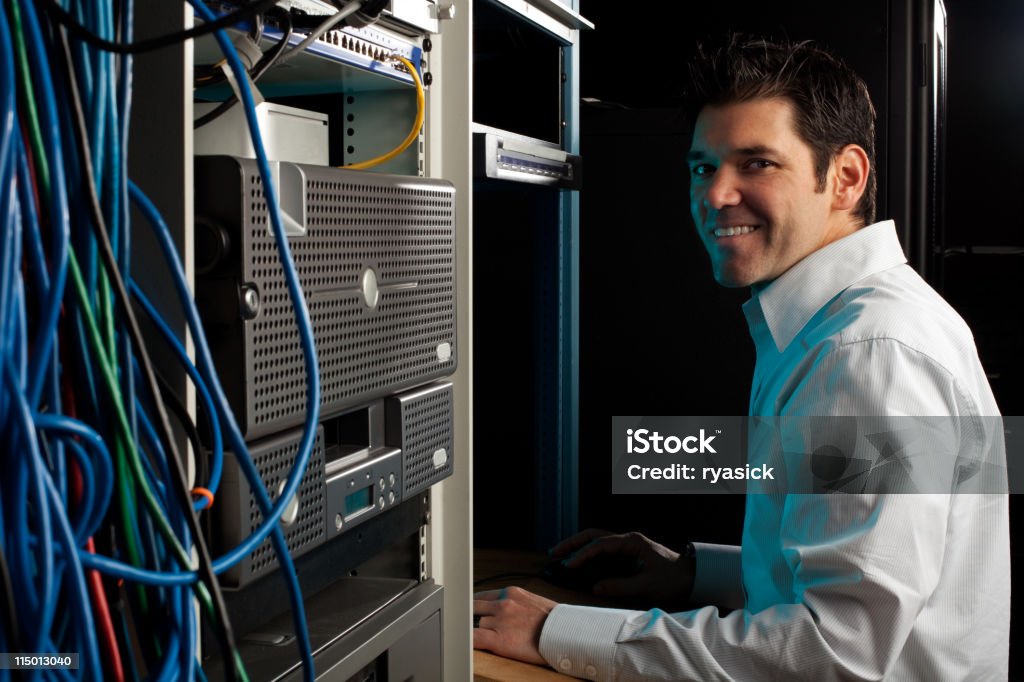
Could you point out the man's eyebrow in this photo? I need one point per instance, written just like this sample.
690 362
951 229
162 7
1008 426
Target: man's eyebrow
757 149
754 150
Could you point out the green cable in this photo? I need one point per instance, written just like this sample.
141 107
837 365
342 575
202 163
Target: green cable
124 471
124 441
35 134
106 305
125 432
126 506
240 667
126 503
94 337
200 588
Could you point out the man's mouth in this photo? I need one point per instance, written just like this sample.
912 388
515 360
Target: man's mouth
734 231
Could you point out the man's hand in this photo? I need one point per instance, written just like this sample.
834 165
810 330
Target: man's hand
662 574
510 623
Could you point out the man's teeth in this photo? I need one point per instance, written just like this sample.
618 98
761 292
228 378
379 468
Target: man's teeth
734 231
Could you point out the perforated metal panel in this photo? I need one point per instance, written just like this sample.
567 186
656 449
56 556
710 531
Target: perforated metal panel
421 421
401 229
239 515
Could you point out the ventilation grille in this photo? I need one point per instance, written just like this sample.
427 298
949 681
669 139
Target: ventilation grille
426 427
308 531
401 228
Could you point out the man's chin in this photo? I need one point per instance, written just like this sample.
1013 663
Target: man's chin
731 280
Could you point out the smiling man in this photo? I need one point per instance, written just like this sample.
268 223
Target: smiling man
865 586
757 196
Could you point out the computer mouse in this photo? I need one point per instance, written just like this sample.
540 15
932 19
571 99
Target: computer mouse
583 578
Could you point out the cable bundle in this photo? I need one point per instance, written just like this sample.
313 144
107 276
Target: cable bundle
101 552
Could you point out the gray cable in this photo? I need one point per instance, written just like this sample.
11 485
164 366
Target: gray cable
331 22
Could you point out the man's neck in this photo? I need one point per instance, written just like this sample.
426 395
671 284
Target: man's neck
843 228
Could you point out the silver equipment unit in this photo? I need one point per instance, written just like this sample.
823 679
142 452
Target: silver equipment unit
375 255
364 463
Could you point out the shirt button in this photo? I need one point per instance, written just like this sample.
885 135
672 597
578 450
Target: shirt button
590 671
565 664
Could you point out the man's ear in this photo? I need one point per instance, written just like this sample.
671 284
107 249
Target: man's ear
850 169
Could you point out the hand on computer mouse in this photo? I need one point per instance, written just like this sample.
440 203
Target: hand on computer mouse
660 573
585 576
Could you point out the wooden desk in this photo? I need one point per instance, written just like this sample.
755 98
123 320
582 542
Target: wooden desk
490 668
497 568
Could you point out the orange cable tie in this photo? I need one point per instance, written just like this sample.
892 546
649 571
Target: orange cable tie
204 493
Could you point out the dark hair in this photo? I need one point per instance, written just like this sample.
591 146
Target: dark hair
831 103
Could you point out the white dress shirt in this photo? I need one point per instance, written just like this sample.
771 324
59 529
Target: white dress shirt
835 587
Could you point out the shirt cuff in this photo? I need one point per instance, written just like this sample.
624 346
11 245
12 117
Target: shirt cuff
580 640
719 578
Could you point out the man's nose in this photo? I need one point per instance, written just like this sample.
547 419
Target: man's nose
721 190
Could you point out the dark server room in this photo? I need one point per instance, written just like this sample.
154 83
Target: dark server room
321 318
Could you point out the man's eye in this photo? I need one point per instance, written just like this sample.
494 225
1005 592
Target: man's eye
701 170
759 164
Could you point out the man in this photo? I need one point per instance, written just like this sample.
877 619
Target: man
825 587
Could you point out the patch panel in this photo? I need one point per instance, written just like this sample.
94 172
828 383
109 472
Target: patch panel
366 49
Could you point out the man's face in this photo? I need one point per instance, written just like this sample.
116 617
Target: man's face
753 192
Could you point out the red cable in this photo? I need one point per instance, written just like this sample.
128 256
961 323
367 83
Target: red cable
100 607
103 622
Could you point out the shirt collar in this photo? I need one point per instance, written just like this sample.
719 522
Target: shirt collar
788 303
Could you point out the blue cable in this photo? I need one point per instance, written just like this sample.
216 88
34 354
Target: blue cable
105 476
191 635
192 316
97 119
125 102
59 218
114 192
34 249
53 397
121 115
6 88
39 371
90 378
200 675
217 452
76 577
206 367
39 505
119 569
21 568
187 616
270 513
157 450
171 666
9 258
256 485
10 249
84 62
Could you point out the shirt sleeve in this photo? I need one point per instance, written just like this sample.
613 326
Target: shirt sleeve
860 568
719 577
860 591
